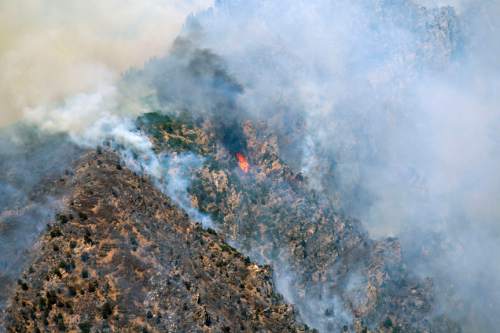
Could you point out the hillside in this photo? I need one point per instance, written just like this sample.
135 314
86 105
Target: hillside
121 257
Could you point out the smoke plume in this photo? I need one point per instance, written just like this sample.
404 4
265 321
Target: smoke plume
401 116
394 106
50 50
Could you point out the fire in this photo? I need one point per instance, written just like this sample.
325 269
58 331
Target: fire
243 162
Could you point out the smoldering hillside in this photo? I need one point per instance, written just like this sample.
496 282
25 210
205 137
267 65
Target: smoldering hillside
400 115
393 114
390 110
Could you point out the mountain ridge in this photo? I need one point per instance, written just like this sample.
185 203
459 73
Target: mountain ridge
122 257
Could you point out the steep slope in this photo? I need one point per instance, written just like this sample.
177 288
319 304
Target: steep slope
122 257
324 262
335 273
31 184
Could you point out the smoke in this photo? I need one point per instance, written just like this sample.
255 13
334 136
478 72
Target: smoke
326 313
65 66
91 120
179 169
400 104
398 101
52 49
170 173
26 204
62 64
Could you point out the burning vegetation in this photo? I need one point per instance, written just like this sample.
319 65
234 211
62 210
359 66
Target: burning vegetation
243 162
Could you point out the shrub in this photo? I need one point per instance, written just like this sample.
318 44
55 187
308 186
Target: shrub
60 322
106 310
62 265
24 285
55 233
85 327
71 291
62 218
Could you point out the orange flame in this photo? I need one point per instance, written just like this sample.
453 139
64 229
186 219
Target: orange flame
243 162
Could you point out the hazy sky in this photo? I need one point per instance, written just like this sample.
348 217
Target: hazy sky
50 49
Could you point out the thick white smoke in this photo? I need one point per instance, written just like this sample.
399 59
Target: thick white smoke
93 119
61 63
52 49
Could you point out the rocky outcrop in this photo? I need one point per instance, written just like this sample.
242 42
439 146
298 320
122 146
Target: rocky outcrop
271 214
122 256
325 262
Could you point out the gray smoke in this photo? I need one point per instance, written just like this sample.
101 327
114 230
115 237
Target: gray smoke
401 116
29 160
52 49
394 106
